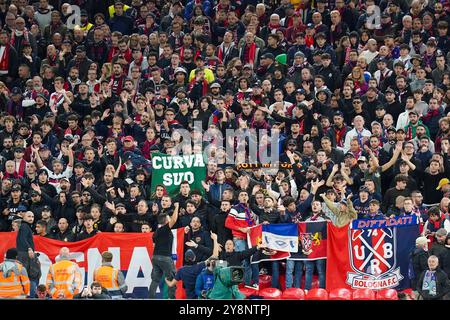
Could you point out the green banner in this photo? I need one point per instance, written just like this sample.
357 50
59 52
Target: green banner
171 171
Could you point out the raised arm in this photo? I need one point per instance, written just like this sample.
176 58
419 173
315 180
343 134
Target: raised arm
391 162
174 217
329 182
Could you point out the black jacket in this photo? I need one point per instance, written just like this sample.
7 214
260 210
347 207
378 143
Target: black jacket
419 259
235 258
442 286
24 238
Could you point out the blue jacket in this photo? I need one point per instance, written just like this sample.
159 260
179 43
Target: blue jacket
124 24
215 193
204 282
189 9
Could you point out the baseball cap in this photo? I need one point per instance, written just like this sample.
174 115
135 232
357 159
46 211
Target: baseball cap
16 187
391 128
375 123
46 208
81 48
362 159
128 138
442 183
349 154
292 142
21 208
16 90
374 201
120 204
215 85
390 90
42 96
180 69
248 66
300 91
268 56
422 241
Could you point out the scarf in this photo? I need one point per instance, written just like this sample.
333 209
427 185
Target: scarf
116 84
22 165
273 28
251 53
429 282
221 54
52 60
4 60
248 215
17 33
340 133
112 52
315 217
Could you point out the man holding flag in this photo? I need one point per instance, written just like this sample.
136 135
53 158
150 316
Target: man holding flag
239 221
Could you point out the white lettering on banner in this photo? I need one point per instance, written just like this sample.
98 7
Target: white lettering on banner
156 163
386 281
94 259
139 261
178 162
45 266
176 178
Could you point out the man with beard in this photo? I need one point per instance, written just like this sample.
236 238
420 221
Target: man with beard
117 79
81 61
97 49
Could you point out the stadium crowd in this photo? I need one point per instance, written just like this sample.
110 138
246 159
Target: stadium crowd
358 91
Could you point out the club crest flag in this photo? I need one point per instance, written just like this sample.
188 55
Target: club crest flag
371 254
170 171
312 244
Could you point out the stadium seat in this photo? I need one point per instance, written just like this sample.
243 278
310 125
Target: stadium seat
293 294
265 281
317 294
340 294
364 294
387 294
248 292
270 293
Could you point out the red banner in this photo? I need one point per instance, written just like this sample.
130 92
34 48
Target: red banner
132 254
338 262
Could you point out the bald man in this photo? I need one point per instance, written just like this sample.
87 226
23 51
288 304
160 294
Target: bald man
64 278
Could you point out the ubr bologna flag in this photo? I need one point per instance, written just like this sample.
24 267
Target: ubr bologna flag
371 254
132 254
311 241
171 171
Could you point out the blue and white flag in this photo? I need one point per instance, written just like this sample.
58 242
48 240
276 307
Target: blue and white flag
280 237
